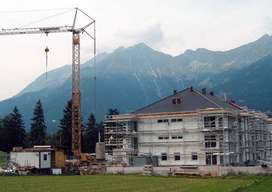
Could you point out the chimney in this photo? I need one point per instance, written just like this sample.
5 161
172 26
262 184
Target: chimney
211 93
204 91
225 97
191 88
174 92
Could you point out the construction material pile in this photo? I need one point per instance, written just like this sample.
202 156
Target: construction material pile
93 169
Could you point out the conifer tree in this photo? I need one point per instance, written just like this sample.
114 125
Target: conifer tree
13 131
90 136
65 129
18 135
5 143
2 136
38 125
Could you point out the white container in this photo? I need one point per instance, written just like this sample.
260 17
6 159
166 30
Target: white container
39 160
56 171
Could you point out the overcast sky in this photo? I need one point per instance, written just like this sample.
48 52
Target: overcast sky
171 26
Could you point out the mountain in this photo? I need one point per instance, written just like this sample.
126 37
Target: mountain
250 86
130 78
202 63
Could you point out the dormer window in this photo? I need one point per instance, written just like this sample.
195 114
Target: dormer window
176 101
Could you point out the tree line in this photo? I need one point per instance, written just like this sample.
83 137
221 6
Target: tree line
13 133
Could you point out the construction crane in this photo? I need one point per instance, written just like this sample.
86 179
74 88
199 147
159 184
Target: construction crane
76 32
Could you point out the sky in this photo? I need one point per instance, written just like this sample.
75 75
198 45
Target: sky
170 26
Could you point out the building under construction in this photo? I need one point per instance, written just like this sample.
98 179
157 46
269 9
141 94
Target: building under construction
190 127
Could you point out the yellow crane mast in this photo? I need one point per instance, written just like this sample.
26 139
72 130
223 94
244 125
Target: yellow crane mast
76 32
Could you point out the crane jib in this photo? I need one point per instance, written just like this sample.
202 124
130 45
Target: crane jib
37 30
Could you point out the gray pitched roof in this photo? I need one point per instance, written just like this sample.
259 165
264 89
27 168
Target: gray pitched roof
191 100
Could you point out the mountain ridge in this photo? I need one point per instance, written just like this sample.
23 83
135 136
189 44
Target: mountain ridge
132 77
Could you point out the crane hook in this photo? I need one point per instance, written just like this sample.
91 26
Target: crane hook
46 60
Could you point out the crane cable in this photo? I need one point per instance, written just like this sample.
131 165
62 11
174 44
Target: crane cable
94 60
34 10
46 18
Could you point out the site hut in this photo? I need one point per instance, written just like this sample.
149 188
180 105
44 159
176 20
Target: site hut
39 157
190 127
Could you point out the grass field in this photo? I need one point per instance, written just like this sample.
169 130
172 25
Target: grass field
133 183
264 184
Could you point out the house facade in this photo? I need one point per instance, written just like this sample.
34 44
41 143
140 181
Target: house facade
190 127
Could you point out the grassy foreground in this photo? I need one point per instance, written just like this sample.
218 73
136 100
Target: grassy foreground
131 183
263 184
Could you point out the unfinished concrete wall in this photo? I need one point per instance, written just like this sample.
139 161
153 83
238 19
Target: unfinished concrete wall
201 170
171 137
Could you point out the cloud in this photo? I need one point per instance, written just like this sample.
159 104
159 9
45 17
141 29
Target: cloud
152 35
267 25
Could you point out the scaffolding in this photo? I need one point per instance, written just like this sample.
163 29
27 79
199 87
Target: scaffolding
120 135
224 137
